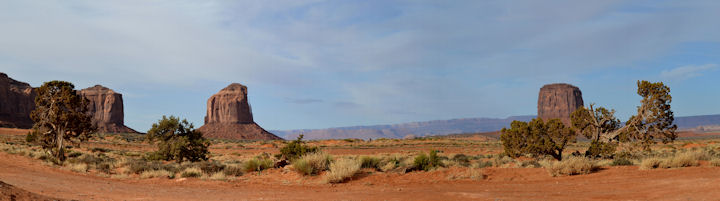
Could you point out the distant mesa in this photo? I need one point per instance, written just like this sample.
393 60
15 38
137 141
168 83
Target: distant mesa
17 100
558 101
229 116
106 108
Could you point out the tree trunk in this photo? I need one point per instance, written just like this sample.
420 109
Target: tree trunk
60 154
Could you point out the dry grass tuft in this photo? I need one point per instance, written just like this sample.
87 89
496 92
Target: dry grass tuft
343 169
78 167
157 173
571 166
312 164
191 172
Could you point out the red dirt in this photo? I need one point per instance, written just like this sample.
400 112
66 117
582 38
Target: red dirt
626 183
14 131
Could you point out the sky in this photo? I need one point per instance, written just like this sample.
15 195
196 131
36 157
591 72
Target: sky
320 64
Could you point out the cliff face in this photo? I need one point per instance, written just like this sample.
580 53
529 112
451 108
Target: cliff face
558 101
17 100
106 108
229 116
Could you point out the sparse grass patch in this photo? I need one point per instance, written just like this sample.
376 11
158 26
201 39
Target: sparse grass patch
312 164
571 166
651 163
342 169
715 162
157 174
621 162
233 170
427 162
219 176
78 167
257 164
370 162
191 172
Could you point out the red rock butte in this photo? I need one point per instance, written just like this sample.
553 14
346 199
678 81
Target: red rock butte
229 116
17 100
558 101
106 108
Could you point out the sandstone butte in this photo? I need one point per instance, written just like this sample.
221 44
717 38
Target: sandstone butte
17 100
558 101
106 108
229 116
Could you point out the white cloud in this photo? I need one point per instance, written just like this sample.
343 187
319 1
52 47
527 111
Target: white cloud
687 72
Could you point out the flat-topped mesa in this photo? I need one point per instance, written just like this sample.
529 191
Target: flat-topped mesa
558 101
106 108
17 100
229 116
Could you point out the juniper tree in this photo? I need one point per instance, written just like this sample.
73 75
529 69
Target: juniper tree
60 115
653 121
178 140
536 138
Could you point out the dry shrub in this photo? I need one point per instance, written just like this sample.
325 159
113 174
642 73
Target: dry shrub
220 176
651 163
312 164
233 170
469 173
715 162
685 159
191 172
157 173
571 166
342 169
78 167
257 164
370 162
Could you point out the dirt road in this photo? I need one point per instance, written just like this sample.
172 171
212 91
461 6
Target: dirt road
621 183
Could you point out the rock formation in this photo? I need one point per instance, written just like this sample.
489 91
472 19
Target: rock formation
106 108
229 116
17 100
558 101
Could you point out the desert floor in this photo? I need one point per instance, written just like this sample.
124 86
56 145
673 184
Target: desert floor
35 180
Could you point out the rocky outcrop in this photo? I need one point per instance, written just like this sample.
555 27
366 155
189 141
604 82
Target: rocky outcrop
106 108
17 100
229 116
558 101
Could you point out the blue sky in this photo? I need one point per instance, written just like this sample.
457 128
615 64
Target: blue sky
318 64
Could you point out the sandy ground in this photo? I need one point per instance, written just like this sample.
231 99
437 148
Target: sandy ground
616 183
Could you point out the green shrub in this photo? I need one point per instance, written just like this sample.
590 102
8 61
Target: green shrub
178 140
536 138
296 149
427 162
370 162
312 164
621 162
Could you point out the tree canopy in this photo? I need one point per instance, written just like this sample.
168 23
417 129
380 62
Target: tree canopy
60 115
537 138
178 140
